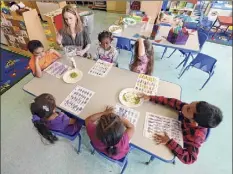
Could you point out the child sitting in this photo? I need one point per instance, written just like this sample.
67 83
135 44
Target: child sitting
105 51
143 62
40 59
111 134
45 118
196 118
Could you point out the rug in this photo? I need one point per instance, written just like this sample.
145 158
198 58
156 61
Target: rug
13 68
220 37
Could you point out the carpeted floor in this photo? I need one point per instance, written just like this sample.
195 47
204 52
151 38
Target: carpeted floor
13 68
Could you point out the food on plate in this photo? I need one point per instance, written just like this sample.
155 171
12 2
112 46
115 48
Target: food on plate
131 97
73 75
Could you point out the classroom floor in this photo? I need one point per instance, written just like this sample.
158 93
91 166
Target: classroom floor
24 153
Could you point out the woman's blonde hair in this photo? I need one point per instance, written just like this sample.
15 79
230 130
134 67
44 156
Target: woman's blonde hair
75 12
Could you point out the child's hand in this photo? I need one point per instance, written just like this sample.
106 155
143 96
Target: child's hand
108 110
161 139
80 53
37 58
144 97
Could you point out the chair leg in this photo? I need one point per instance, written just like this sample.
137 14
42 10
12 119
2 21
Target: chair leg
164 51
172 53
79 143
124 167
93 151
183 71
151 159
185 61
207 81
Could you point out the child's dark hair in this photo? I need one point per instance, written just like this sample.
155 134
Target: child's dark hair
43 107
109 131
33 45
149 53
207 115
105 34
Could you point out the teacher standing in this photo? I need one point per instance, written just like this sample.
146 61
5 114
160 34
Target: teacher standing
73 31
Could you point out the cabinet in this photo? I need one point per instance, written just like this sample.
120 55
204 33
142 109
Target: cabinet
18 30
117 6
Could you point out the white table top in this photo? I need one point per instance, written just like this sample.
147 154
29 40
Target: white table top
192 43
106 93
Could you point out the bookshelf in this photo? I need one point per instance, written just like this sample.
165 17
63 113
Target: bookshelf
180 7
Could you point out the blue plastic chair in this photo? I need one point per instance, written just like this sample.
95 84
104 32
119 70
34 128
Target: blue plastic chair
124 44
122 162
71 138
204 63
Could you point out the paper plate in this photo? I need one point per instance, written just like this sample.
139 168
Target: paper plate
67 76
129 21
127 98
115 29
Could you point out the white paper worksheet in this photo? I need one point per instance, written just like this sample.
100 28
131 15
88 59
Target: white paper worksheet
159 124
77 99
147 84
128 113
101 68
57 69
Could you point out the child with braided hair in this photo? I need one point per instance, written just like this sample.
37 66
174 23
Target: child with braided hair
109 133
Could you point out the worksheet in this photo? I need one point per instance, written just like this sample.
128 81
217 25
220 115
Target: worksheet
101 68
128 113
57 69
147 84
77 99
160 124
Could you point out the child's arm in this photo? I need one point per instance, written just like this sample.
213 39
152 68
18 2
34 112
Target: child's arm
55 52
171 102
188 154
141 47
38 71
94 117
129 127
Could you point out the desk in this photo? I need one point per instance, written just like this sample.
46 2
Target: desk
106 93
191 46
223 20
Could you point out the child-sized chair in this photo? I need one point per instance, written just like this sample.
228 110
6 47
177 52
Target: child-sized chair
124 44
122 162
204 63
71 138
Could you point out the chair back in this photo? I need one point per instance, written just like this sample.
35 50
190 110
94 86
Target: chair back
204 62
119 162
124 44
202 37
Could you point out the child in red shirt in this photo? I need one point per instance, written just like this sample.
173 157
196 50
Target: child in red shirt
196 118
